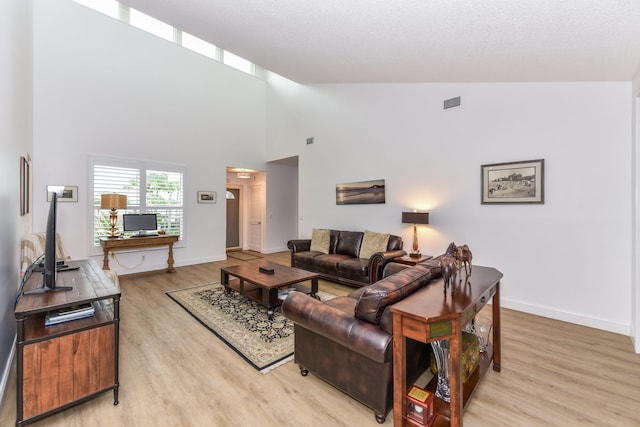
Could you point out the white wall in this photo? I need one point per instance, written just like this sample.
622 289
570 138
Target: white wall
15 134
104 87
568 258
281 207
635 294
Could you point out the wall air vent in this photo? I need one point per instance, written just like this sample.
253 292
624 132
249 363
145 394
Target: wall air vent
452 102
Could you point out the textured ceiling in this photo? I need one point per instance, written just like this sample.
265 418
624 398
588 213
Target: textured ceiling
348 41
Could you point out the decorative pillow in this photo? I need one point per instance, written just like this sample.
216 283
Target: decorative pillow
373 242
320 240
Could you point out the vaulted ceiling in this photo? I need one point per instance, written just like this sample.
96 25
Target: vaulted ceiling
351 41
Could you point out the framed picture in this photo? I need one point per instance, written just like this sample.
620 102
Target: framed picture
24 186
515 182
66 193
363 192
207 196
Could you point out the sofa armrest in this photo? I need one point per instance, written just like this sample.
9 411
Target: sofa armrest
338 326
299 245
379 260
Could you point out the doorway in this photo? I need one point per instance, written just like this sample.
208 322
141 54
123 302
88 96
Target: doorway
234 235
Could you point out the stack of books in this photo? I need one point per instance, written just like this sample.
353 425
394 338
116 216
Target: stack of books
69 313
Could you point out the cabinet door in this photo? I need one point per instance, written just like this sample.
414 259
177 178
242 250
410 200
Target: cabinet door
62 370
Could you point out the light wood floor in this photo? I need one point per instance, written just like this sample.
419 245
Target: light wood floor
174 372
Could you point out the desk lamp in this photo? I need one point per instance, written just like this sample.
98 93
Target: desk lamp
415 218
113 202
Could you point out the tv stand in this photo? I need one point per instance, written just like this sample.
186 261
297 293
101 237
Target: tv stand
63 365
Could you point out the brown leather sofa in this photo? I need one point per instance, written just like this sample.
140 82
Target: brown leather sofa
348 341
342 264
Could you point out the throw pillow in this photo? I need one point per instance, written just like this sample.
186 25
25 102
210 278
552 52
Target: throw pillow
373 242
320 240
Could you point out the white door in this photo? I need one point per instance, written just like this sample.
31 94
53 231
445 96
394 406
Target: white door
256 203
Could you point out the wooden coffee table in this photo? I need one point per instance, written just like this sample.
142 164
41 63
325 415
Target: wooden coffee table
263 287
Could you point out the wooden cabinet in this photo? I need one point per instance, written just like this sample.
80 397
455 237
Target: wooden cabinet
431 314
65 364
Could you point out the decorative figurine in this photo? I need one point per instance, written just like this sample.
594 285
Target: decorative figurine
449 266
464 257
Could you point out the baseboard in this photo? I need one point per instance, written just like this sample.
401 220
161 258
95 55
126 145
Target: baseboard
274 250
578 319
6 373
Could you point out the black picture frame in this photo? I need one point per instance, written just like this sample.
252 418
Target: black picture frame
24 185
520 182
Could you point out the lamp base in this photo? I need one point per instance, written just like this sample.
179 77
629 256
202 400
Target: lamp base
415 254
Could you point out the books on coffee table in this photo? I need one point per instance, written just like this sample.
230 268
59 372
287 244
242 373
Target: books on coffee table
69 313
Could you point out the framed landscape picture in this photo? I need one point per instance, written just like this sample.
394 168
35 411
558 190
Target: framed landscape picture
363 192
515 182
207 197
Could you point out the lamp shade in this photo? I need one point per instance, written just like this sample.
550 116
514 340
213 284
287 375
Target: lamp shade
113 201
415 217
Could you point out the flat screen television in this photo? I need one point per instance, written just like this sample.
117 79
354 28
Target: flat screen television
49 266
140 223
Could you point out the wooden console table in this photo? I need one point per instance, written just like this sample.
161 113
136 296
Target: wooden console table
429 315
68 363
123 243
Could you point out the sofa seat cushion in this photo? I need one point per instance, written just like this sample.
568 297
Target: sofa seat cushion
378 296
354 268
328 263
305 260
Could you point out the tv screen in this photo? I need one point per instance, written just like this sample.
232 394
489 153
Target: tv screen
140 222
49 271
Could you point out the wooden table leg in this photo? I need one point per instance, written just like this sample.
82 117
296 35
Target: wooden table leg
170 268
399 371
455 375
105 259
496 329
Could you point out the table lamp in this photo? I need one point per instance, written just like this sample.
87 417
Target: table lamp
113 202
415 218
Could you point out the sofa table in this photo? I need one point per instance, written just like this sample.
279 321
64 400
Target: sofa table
431 314
124 243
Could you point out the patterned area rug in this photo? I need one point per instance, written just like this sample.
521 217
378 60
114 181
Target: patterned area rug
242 255
242 324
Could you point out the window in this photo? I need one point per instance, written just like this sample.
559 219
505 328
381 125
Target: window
198 45
237 62
150 188
151 25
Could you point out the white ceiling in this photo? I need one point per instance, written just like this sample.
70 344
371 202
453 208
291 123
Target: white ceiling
348 41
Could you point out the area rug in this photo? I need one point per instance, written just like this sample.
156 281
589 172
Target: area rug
242 255
242 324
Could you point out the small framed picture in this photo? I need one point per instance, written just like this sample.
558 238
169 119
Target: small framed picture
24 186
66 193
515 182
207 197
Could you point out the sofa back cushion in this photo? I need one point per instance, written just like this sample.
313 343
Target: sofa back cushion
373 242
349 243
378 296
320 240
395 243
